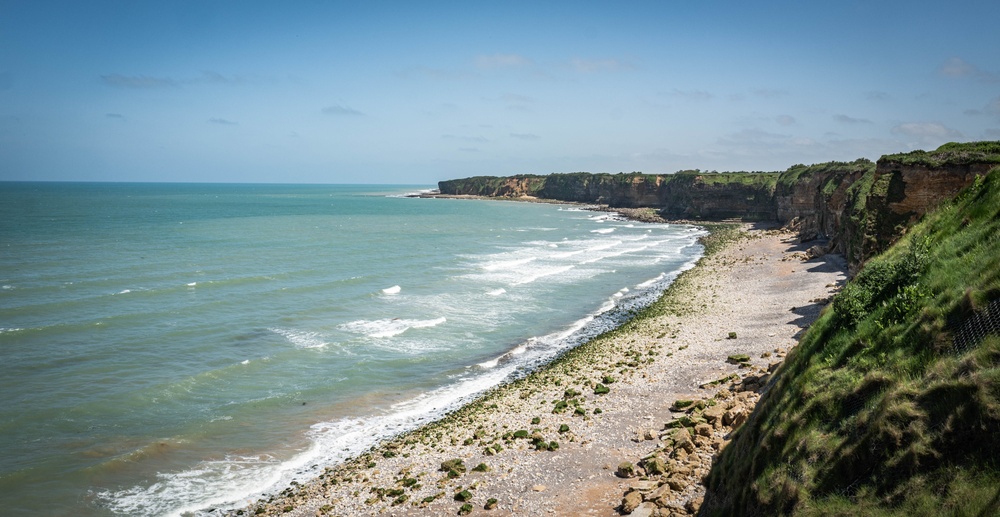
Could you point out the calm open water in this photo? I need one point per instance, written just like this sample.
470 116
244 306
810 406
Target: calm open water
168 348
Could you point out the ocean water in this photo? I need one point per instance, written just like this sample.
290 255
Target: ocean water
172 348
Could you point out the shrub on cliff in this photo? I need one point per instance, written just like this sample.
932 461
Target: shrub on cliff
890 405
952 153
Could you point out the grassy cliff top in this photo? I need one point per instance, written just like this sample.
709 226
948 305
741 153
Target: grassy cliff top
952 153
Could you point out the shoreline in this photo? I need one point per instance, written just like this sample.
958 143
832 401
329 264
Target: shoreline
551 441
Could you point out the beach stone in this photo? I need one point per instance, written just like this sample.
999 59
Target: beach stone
644 486
703 430
713 415
702 442
625 470
694 504
735 417
681 470
662 492
677 483
655 466
631 501
538 488
646 509
681 439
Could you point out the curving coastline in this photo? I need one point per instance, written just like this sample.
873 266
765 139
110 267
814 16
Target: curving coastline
605 403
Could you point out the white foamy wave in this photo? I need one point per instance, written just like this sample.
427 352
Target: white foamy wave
7 287
621 293
301 339
497 292
567 254
125 291
192 284
541 273
507 356
388 328
210 483
603 230
392 290
6 330
492 363
650 282
507 264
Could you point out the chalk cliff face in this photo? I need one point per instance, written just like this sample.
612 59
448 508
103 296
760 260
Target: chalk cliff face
861 207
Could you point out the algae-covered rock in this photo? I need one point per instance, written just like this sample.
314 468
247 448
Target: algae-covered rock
631 501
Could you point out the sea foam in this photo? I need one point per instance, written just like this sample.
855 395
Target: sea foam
301 339
386 328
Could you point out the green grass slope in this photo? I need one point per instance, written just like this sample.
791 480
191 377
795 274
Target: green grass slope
890 405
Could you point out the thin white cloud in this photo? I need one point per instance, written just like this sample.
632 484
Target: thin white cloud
960 68
476 139
926 134
502 61
341 111
516 98
209 76
753 136
993 108
138 82
692 95
768 93
515 101
599 65
525 136
440 74
845 119
926 129
785 120
222 122
117 116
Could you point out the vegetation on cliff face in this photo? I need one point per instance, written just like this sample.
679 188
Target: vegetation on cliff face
832 174
890 405
952 153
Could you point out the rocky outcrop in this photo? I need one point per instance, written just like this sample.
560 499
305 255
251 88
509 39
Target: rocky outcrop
859 207
670 478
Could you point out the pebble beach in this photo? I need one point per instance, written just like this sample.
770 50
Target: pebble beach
627 423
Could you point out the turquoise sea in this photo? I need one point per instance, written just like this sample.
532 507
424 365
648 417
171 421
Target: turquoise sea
171 348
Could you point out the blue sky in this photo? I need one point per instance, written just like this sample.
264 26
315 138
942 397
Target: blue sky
416 92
